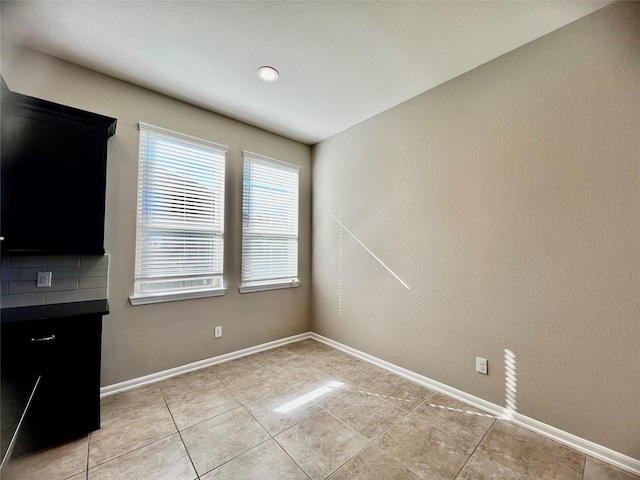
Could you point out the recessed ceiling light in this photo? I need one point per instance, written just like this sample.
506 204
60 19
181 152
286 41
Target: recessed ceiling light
268 74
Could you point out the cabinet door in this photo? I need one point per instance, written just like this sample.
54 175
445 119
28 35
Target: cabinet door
53 185
66 354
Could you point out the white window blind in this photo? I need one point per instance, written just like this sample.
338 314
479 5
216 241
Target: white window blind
180 231
269 223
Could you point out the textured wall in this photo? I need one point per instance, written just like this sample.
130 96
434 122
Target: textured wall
508 200
146 339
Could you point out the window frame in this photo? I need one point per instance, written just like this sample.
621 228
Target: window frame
248 285
143 298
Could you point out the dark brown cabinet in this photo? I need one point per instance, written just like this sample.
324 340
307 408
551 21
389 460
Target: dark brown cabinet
60 345
53 177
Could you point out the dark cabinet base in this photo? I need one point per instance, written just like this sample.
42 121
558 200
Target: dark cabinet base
65 353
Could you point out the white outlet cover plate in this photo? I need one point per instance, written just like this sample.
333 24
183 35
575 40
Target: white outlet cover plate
44 279
217 332
482 365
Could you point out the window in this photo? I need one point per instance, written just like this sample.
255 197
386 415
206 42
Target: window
269 224
180 234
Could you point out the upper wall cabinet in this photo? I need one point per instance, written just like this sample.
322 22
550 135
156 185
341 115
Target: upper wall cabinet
53 177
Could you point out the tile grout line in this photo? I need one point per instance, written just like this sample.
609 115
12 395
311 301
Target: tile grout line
241 405
330 371
446 432
166 436
337 401
86 477
292 459
206 419
140 446
362 388
247 450
178 430
273 437
397 422
132 450
610 457
355 454
378 436
384 398
231 459
475 448
405 415
197 390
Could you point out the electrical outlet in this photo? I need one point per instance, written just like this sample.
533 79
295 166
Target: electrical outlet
44 279
482 366
217 332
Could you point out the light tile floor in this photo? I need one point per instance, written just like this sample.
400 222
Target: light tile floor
301 411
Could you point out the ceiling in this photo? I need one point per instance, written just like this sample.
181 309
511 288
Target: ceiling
339 62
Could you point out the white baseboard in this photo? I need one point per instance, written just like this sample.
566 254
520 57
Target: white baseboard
190 367
605 454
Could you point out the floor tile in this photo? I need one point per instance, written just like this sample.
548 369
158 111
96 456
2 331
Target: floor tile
267 461
240 366
80 476
165 459
130 429
328 389
188 382
297 370
256 385
336 360
416 432
529 453
358 372
200 405
479 467
373 464
280 412
130 401
423 449
218 440
368 415
55 463
463 421
320 444
596 470
271 357
403 393
307 346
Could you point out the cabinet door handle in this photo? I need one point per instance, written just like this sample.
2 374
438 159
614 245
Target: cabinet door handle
50 338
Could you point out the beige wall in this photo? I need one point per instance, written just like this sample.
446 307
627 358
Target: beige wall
508 199
146 339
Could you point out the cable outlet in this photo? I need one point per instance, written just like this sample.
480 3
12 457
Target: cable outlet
217 332
482 366
44 279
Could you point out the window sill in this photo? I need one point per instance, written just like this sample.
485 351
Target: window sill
261 287
174 297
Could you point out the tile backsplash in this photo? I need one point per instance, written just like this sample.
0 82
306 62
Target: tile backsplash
74 278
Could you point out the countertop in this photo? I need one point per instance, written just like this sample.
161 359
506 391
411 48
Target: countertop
58 310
